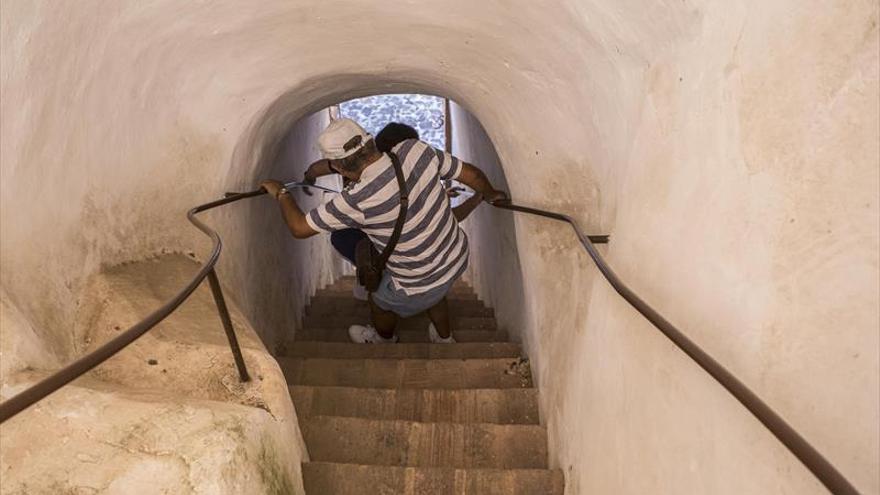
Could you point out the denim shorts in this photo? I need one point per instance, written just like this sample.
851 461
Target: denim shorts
397 301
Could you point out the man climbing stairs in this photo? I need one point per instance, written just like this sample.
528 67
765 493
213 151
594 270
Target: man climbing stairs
415 418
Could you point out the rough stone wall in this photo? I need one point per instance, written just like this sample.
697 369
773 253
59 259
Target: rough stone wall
718 142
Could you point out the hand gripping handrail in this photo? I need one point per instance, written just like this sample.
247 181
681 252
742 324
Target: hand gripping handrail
806 453
74 370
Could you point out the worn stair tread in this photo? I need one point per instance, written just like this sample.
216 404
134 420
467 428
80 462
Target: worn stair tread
347 350
324 478
417 444
333 306
415 418
498 406
415 324
340 334
408 373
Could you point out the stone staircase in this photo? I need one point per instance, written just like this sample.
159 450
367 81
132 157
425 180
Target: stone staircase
415 418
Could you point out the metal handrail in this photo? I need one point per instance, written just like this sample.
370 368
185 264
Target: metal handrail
806 453
796 444
74 370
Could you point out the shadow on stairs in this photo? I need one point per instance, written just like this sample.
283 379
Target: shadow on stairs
413 417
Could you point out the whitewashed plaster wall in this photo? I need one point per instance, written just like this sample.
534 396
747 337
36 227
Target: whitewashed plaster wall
495 270
729 148
270 273
741 192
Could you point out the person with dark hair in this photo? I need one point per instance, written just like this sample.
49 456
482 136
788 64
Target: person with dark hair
432 250
344 241
393 134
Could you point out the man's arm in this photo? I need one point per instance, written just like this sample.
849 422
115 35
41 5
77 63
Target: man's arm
477 180
317 169
463 210
293 215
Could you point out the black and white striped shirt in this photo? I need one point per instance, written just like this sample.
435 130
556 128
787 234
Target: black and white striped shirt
432 249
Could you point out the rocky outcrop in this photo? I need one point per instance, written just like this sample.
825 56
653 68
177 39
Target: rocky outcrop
167 414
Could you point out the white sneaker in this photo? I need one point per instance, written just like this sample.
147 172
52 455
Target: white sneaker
359 292
436 338
365 334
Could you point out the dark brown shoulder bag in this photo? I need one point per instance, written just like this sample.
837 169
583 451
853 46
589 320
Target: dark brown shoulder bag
369 263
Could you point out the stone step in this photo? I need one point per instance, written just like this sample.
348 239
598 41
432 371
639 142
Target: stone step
324 478
408 443
330 306
498 406
408 373
341 350
341 335
419 323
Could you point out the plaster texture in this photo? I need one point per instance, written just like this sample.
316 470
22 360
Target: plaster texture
495 270
20 345
729 148
268 272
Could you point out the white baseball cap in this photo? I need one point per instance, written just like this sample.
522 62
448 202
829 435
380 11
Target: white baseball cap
342 138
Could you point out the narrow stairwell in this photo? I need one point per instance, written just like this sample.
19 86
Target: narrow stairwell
413 417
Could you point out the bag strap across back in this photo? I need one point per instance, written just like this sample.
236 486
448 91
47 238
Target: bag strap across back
401 217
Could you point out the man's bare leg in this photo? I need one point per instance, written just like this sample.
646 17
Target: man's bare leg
383 321
439 315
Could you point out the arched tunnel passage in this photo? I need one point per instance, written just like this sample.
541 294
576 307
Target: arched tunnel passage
681 129
476 143
296 268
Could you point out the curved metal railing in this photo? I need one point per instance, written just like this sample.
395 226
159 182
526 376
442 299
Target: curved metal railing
806 453
796 444
74 370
